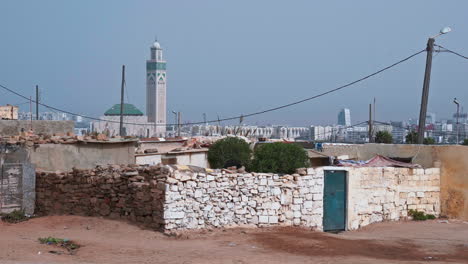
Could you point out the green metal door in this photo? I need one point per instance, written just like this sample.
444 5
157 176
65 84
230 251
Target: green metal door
334 201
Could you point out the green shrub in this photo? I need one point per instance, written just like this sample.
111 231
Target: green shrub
230 151
383 137
279 158
420 216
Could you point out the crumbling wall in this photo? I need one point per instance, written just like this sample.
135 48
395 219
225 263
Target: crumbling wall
379 194
46 127
131 193
82 155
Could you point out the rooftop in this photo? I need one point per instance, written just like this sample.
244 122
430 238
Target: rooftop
128 110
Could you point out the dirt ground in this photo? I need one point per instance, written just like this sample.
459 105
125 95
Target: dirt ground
108 241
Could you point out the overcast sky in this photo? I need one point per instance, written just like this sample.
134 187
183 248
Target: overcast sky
235 57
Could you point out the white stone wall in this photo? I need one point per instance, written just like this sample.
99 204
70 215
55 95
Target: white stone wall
196 200
203 200
381 194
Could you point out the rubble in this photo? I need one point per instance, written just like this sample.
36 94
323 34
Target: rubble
30 139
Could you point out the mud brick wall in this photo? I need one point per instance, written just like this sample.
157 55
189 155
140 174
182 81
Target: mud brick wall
130 193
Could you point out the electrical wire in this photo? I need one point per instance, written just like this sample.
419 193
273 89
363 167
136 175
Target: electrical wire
235 117
453 52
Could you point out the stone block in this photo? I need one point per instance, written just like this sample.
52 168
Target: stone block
173 215
317 197
263 219
273 219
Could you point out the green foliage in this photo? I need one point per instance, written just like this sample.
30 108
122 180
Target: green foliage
279 158
465 142
428 141
14 217
412 138
68 244
420 216
383 137
230 151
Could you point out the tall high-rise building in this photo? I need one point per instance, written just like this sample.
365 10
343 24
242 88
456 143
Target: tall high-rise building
344 117
156 89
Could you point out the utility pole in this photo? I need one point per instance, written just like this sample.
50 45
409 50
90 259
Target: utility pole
370 124
425 92
179 119
121 132
37 102
30 113
458 114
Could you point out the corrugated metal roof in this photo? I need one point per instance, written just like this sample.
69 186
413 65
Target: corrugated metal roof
128 110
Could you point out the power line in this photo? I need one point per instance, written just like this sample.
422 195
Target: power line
236 117
453 52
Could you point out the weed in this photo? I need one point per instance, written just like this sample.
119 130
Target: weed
15 216
65 243
420 216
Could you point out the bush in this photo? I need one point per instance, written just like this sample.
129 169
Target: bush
230 151
420 216
279 158
412 138
383 137
465 142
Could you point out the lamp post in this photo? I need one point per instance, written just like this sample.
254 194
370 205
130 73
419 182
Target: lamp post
427 80
455 101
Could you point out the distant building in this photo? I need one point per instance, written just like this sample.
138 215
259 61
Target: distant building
135 123
156 88
9 112
430 118
344 117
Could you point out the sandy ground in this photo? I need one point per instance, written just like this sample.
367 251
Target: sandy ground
108 241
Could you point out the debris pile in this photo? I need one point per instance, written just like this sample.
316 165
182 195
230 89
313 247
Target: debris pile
30 138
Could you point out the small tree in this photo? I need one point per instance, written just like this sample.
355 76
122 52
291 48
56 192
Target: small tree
383 137
230 151
428 141
412 137
279 158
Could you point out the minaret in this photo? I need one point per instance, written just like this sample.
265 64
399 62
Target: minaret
156 89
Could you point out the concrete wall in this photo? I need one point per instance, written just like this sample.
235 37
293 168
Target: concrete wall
64 157
17 187
161 146
47 127
191 157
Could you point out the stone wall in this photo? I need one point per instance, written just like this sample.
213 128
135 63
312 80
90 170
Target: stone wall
130 193
216 199
176 197
381 194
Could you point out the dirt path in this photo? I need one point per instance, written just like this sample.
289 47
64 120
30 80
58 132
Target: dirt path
107 241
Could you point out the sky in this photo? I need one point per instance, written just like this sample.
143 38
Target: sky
227 58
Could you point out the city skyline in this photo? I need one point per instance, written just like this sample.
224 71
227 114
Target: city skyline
247 72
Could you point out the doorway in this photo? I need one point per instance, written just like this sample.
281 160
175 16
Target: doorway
334 201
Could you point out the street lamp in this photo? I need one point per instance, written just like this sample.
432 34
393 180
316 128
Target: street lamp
427 80
455 101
